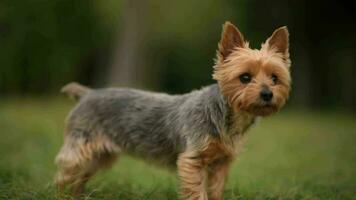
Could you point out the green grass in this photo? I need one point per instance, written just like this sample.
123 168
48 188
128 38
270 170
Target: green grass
293 155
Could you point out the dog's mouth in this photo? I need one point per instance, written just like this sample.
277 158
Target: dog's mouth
263 109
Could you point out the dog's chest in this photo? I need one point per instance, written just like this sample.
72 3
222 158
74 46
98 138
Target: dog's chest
238 124
231 141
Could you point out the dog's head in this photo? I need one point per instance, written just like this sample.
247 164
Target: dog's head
252 80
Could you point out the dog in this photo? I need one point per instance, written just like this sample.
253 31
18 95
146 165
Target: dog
198 134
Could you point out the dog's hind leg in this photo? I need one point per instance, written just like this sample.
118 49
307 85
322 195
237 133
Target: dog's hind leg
80 158
100 161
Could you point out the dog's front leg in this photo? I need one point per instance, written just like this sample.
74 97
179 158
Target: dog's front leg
192 176
217 174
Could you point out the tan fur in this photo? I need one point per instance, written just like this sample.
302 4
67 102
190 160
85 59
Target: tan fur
194 168
207 168
230 39
192 176
78 160
272 58
217 174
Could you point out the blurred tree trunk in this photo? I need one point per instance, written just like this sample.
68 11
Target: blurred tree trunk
128 61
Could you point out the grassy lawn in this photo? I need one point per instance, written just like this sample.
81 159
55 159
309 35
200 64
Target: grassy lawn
293 155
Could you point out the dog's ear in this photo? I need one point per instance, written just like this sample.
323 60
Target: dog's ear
280 41
230 39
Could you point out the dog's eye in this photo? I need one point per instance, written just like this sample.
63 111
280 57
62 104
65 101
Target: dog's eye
274 79
245 78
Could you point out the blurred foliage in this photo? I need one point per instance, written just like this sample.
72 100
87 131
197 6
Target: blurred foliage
45 44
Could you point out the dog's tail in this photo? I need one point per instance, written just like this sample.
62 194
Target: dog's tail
75 90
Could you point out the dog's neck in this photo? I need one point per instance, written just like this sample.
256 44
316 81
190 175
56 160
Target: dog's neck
237 123
228 121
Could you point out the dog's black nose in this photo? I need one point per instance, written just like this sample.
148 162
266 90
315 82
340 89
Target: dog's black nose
266 95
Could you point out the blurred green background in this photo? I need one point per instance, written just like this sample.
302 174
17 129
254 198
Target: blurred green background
305 152
170 45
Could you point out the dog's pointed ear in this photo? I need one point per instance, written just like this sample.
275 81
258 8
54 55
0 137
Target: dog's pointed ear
231 38
280 41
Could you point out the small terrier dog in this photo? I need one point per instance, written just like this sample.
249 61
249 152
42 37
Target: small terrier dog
198 133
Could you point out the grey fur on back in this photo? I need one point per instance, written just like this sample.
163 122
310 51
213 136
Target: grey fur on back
155 126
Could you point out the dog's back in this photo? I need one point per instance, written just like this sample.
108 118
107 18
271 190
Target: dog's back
141 123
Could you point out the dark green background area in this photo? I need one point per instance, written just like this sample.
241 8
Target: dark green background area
171 45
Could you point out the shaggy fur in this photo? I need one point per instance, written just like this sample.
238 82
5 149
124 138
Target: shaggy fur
198 133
